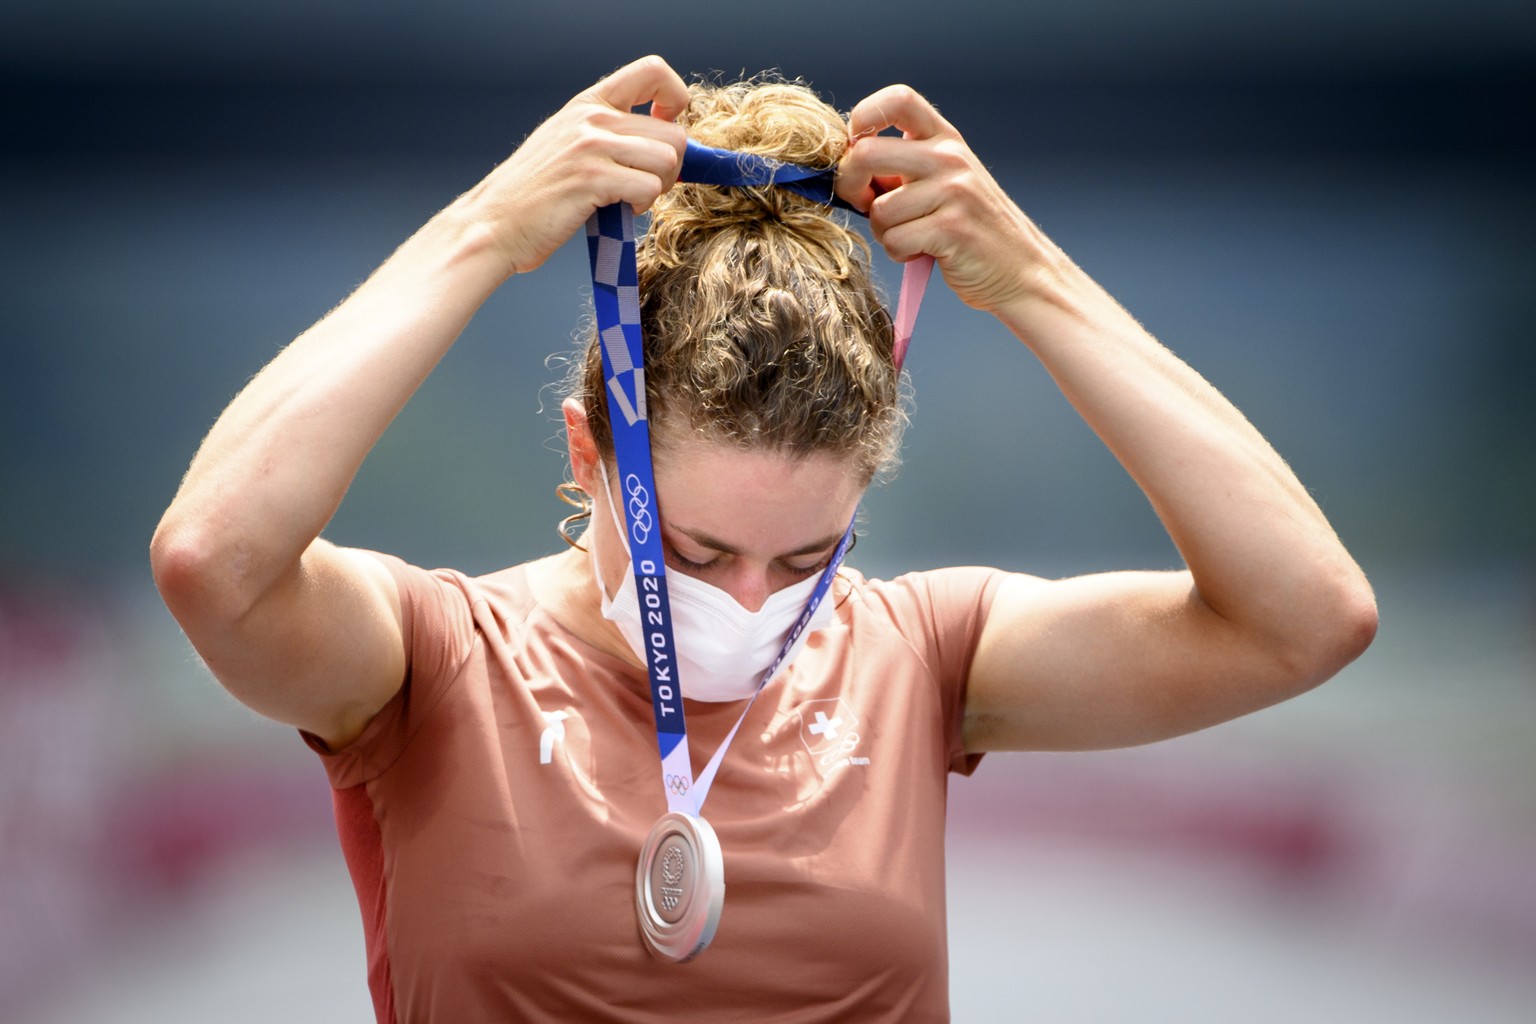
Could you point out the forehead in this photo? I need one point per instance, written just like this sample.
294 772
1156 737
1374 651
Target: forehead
761 501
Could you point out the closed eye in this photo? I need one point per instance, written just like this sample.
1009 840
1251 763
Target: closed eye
821 564
809 570
690 565
679 561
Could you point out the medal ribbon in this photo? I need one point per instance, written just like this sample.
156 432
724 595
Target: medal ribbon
616 303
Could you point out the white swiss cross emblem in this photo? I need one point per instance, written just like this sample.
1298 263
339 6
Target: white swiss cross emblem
825 727
830 731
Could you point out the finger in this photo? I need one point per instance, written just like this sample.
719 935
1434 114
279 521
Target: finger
636 140
904 222
652 155
911 202
910 239
897 106
647 80
860 192
638 188
886 158
646 127
876 166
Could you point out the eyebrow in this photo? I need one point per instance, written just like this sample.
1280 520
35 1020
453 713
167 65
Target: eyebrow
715 544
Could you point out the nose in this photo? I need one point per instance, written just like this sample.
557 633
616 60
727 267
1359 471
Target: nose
748 586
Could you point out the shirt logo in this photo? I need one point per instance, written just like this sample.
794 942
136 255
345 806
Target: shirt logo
830 731
554 732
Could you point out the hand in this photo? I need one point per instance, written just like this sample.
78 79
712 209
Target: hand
594 151
926 192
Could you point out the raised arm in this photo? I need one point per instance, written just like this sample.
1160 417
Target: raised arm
300 630
1271 603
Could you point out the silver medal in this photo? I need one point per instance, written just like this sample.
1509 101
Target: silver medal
679 886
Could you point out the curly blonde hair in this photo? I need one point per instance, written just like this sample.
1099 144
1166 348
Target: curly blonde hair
763 327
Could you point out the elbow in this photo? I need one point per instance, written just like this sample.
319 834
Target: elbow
1344 624
180 564
1361 621
193 572
1355 621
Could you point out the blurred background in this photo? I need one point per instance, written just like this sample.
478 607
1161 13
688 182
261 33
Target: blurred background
1326 207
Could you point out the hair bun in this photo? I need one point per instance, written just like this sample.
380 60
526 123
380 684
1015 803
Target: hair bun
768 117
761 322
774 118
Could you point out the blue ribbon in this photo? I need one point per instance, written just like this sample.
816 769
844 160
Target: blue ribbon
616 303
705 165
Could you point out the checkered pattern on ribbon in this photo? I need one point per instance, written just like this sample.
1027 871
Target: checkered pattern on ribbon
616 303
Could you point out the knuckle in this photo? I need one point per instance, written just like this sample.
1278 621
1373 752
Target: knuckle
952 151
879 209
675 134
951 222
587 140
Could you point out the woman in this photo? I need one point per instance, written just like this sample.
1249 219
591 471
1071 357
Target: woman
490 741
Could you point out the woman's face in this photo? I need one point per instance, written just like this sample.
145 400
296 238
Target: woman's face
747 522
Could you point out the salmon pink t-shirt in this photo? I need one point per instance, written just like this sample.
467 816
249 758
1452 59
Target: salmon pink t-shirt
492 815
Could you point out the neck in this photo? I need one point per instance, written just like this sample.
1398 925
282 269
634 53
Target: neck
567 587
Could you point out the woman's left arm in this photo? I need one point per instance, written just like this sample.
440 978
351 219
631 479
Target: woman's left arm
1271 604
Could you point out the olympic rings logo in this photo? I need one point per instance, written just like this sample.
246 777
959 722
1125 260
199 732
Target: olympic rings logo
677 784
640 521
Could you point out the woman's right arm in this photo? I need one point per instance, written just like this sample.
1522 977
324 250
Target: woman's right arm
305 632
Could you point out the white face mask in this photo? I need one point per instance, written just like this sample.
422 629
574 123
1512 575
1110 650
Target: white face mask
722 649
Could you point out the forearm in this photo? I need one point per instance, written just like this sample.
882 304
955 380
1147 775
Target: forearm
274 467
1272 603
1261 552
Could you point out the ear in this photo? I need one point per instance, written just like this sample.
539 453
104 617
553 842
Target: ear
580 447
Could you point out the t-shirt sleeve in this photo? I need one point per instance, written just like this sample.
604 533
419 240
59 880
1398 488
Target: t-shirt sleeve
439 633
941 613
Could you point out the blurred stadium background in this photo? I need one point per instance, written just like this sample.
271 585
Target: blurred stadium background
1325 207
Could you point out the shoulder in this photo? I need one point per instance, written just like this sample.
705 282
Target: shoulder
939 614
444 612
458 632
965 591
505 588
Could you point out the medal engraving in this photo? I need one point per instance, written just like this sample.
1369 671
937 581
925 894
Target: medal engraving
679 887
670 889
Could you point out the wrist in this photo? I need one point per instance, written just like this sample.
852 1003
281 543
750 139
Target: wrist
468 233
1057 298
1026 271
